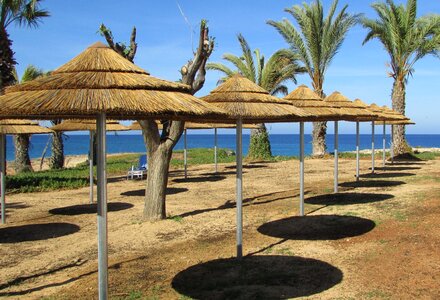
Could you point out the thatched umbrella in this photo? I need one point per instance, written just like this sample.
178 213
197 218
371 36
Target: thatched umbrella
97 84
249 103
383 116
311 103
13 127
90 126
379 116
354 112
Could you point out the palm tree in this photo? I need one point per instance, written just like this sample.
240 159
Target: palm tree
316 42
271 75
407 39
20 12
22 141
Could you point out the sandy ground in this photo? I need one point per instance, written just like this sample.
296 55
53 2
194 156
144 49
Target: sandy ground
376 239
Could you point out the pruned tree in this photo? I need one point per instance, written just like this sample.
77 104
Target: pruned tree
160 145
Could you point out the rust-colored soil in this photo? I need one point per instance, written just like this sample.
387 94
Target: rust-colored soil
378 238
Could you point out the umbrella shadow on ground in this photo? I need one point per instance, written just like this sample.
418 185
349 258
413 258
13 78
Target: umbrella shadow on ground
91 208
200 179
397 168
36 232
224 173
347 198
257 200
386 175
117 179
141 192
251 166
257 277
371 183
406 163
319 227
15 205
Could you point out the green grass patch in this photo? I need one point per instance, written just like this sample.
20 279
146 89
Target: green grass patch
427 155
117 165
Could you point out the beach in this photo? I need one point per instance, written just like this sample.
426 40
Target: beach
383 228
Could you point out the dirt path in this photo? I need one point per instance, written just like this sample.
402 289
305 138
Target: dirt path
376 239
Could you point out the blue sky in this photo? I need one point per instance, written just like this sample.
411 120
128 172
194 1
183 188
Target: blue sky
164 45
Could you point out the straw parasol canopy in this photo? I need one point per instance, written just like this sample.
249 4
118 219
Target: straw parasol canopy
99 80
311 103
380 114
89 125
384 114
193 125
352 111
395 114
242 98
402 122
11 126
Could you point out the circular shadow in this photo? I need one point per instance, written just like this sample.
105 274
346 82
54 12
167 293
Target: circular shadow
321 227
36 232
257 277
250 166
83 209
386 175
141 192
371 183
347 198
200 179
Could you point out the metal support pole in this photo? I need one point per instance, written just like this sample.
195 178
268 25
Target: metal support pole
384 144
102 209
392 144
357 151
372 147
336 157
301 168
3 175
91 165
215 149
185 162
239 195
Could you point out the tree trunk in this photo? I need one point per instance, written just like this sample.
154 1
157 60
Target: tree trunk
22 160
319 128
159 152
400 145
57 159
259 146
319 132
160 147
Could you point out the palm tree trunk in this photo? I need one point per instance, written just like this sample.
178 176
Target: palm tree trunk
400 145
259 146
22 160
319 128
57 159
319 132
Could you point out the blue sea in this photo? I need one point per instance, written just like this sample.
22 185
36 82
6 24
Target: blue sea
282 144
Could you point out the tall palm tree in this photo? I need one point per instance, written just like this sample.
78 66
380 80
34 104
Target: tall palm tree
316 41
23 13
407 39
272 75
22 141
